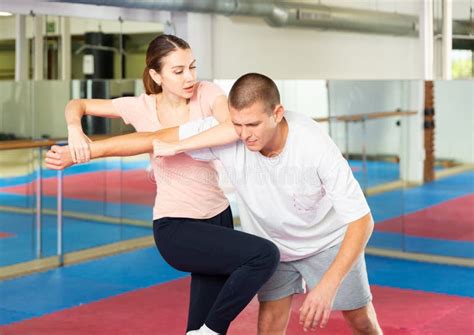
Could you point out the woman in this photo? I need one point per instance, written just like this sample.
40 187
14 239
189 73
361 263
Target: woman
192 224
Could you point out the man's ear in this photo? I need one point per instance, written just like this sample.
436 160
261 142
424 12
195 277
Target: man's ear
278 112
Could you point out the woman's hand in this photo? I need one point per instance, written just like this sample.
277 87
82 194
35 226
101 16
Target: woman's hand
58 158
164 149
78 145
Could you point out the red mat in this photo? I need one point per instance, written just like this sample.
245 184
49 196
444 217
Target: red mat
162 310
133 187
450 220
5 235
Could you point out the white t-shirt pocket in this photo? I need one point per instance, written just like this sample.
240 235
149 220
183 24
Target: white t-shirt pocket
307 202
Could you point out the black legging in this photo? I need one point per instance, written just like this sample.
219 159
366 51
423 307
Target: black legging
227 267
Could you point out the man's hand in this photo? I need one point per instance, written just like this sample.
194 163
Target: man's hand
58 158
164 149
317 306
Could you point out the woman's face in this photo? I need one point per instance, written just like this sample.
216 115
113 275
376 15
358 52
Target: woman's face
178 74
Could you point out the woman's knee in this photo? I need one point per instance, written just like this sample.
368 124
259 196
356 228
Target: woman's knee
269 254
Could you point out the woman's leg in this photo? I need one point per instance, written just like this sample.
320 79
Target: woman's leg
205 288
203 294
247 260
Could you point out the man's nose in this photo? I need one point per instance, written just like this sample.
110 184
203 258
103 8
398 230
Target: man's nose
244 134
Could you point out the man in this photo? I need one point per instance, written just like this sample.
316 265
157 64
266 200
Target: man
297 191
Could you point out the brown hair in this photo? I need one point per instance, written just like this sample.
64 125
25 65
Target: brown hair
253 87
159 48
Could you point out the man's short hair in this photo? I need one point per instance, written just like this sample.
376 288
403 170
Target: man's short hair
253 87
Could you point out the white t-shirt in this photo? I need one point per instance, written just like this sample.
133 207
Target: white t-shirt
302 199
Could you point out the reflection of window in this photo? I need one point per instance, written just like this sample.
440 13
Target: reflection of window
7 56
461 64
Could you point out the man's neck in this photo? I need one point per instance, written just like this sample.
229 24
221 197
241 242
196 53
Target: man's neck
277 143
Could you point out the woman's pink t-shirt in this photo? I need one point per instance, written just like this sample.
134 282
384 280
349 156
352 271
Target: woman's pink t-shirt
184 187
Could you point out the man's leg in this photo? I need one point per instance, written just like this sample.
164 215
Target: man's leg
353 297
273 316
275 298
363 320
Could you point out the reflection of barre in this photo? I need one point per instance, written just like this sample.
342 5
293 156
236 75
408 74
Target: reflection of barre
362 118
366 116
25 144
31 144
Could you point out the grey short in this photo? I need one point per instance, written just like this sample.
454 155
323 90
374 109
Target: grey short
290 278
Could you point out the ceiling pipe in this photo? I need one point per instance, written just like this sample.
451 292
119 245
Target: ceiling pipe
281 14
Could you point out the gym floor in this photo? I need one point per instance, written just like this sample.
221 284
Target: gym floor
123 294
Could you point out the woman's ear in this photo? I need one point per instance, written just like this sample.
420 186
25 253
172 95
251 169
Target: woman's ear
155 76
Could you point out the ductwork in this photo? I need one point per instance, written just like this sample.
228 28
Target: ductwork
280 14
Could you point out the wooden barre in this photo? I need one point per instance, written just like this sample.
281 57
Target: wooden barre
363 117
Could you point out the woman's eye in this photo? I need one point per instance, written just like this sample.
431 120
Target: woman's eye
179 72
192 67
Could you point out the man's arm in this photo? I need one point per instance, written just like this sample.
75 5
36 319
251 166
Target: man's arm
351 207
318 304
197 135
353 244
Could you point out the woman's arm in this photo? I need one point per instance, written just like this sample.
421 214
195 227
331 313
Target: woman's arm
165 141
77 108
220 109
74 111
138 143
59 157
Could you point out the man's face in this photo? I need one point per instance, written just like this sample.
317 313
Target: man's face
254 125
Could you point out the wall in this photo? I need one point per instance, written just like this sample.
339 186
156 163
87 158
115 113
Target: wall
244 44
454 117
248 44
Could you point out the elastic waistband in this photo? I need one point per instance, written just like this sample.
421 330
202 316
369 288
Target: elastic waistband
170 219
